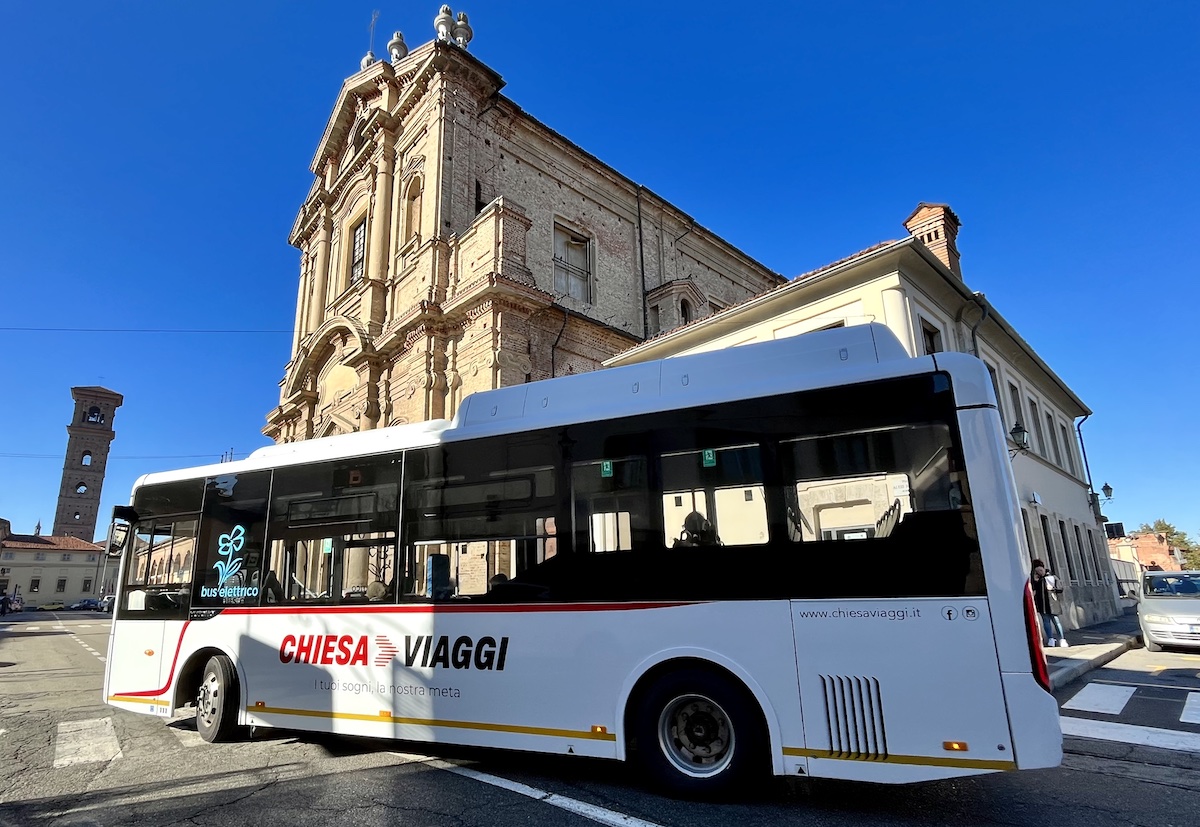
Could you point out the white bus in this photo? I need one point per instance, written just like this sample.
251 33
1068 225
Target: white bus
802 557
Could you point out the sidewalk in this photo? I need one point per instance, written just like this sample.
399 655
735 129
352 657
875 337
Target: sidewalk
1092 647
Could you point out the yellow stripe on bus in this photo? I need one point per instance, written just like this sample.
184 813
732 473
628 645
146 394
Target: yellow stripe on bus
920 760
127 699
391 719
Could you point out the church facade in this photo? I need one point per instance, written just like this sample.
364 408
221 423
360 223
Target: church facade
452 243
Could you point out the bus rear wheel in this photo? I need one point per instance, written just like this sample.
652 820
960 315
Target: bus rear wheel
216 700
698 735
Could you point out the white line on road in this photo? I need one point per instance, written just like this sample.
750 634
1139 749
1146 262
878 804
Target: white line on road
1129 734
1191 709
598 814
1109 699
80 742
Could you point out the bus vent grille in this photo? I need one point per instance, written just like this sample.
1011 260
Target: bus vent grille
854 710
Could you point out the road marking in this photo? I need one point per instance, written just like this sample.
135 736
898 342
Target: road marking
81 742
1108 699
1191 709
1129 734
591 811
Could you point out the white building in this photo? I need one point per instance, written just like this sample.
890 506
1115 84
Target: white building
42 568
915 287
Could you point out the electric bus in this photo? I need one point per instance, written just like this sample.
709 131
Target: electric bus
802 558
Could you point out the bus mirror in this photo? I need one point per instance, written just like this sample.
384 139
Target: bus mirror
116 538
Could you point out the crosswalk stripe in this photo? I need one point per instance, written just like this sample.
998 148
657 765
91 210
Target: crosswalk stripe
1108 699
80 742
1129 734
1191 709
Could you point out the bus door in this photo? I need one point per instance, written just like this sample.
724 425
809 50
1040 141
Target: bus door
896 653
151 610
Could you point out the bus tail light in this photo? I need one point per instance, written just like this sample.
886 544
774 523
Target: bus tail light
1033 632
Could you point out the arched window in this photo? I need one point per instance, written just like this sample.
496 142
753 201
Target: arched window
81 488
412 209
77 516
685 311
94 415
86 459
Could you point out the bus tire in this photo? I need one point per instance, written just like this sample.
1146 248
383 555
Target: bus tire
217 700
699 735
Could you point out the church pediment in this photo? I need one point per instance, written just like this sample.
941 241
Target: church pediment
678 289
357 95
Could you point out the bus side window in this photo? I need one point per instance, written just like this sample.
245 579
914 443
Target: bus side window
714 497
610 498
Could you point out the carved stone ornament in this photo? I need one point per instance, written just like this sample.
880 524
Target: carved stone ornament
397 48
462 30
443 23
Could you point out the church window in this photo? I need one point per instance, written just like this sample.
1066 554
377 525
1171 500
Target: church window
94 415
358 251
685 311
86 459
81 488
572 264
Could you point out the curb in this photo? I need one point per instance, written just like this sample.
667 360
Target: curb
1062 675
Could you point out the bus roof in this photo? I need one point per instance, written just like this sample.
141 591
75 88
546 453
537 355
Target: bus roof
824 358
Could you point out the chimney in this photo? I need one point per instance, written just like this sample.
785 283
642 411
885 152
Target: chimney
936 226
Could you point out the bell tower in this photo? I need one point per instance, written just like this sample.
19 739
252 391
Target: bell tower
88 439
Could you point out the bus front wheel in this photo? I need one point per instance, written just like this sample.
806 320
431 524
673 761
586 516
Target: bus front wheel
216 700
698 735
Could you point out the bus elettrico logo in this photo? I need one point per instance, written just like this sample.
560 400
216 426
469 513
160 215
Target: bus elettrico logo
425 651
229 545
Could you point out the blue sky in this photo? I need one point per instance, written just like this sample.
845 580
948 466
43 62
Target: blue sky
157 153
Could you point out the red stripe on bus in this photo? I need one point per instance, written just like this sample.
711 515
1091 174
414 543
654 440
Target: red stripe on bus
171 676
424 608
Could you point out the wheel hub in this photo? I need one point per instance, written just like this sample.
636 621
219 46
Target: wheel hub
696 735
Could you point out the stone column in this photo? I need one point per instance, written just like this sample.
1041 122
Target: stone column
301 309
316 307
374 304
381 215
895 316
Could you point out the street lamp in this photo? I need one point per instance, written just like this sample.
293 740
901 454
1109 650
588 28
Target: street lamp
1107 490
1020 437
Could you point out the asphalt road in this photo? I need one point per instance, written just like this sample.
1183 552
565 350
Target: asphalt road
68 760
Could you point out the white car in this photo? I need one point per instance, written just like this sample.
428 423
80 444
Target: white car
1169 609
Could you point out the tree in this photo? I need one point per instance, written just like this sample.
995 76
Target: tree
1175 539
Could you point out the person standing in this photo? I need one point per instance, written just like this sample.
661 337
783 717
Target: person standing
3 604
1047 596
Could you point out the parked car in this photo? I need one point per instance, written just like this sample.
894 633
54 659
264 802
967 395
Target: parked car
87 604
51 605
1169 609
106 602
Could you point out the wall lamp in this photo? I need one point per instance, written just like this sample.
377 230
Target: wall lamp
1107 491
1020 437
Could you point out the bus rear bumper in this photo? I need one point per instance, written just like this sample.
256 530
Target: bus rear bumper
1033 721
